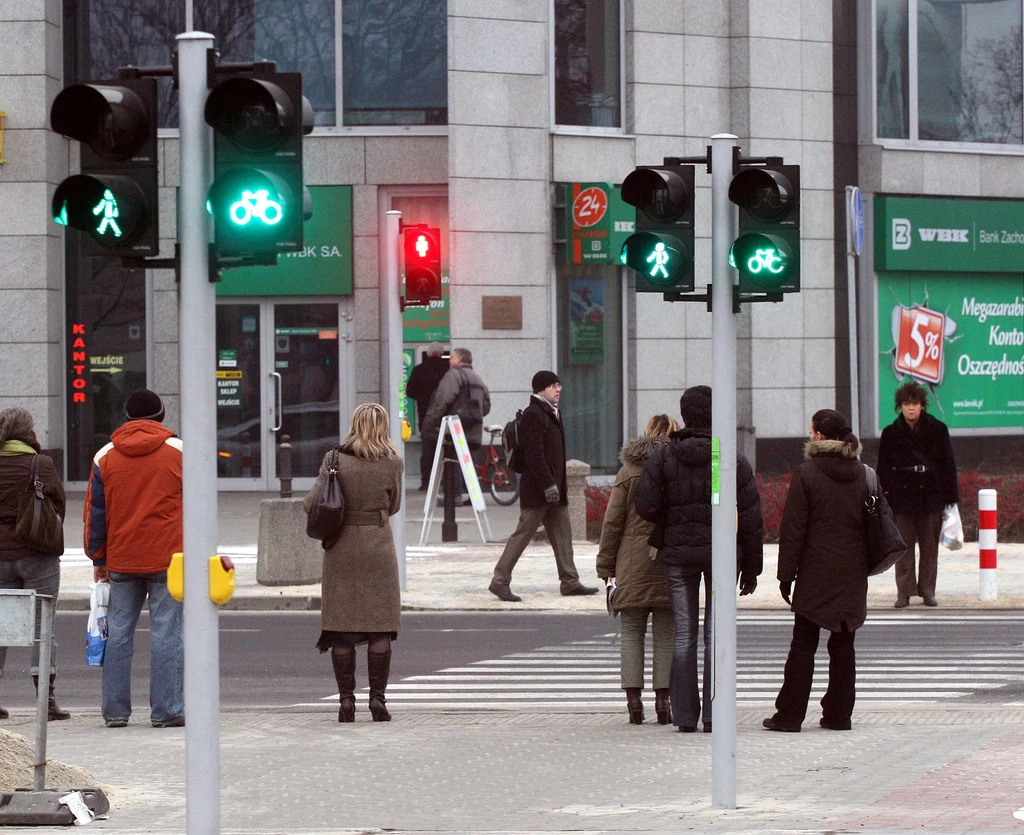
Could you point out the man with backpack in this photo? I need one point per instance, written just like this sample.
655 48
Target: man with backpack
543 497
461 392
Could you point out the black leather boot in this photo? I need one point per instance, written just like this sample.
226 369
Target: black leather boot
53 710
378 667
634 706
663 706
345 675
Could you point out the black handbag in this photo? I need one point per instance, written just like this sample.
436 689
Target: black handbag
39 525
885 545
328 509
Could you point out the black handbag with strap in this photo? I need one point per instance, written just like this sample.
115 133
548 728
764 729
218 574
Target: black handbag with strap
39 525
885 545
328 509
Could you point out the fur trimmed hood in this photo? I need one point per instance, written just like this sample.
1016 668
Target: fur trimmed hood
829 449
639 450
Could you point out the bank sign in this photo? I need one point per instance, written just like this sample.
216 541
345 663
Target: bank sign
597 223
951 307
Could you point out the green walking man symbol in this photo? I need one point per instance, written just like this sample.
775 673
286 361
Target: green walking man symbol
660 259
108 206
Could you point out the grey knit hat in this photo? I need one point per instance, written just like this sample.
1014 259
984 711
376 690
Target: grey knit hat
16 425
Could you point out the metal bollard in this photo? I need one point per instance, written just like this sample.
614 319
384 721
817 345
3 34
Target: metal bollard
284 466
987 545
449 527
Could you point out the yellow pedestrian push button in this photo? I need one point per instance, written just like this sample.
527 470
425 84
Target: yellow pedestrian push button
222 578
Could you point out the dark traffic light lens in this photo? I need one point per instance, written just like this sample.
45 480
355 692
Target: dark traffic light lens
111 120
253 115
764 194
658 192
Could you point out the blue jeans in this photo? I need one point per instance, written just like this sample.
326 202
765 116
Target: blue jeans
167 650
43 575
684 585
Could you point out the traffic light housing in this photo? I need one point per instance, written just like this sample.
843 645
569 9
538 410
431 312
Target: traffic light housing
661 249
258 200
114 199
767 251
422 264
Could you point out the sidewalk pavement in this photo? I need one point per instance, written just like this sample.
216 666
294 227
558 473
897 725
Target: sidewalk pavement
455 576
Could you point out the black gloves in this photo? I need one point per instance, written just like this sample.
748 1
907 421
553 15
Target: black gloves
785 587
748 582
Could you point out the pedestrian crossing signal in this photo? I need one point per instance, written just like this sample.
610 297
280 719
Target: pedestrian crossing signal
422 264
657 260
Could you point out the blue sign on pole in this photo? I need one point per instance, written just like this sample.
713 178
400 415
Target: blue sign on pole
855 221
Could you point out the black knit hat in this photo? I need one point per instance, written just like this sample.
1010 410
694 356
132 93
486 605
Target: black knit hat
144 405
543 379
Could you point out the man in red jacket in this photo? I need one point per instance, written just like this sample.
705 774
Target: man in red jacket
133 524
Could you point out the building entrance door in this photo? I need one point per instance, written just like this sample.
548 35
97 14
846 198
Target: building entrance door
282 371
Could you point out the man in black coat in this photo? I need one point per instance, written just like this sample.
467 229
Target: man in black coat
423 382
674 493
918 475
543 498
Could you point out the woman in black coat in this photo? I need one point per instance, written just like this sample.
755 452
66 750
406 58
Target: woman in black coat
918 474
823 547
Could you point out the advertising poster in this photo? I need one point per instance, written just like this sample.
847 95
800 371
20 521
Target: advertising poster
962 337
586 320
407 407
428 324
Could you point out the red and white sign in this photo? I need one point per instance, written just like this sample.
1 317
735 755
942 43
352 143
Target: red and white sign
589 206
919 343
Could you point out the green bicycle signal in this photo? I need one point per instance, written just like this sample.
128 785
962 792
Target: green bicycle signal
256 204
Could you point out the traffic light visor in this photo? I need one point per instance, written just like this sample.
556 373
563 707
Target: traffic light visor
658 192
110 209
110 119
764 194
254 115
764 259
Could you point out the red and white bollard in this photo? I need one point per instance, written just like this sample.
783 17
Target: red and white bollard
987 544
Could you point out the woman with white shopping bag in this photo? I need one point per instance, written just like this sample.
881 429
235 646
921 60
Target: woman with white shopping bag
918 474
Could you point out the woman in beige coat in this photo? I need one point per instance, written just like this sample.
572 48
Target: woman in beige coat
626 560
360 596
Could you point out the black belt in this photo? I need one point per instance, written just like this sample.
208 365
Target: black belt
917 468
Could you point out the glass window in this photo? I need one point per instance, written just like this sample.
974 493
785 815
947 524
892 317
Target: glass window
395 62
969 71
297 34
587 88
892 67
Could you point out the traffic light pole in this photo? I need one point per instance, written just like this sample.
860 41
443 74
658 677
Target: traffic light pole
391 363
723 513
197 358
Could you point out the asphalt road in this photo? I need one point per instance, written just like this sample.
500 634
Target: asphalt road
268 659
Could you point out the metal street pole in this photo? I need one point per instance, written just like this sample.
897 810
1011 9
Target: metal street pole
723 514
854 219
197 360
391 363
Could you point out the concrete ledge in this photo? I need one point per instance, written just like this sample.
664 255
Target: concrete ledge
285 556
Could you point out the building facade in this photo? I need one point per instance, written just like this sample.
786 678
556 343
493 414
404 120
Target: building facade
489 119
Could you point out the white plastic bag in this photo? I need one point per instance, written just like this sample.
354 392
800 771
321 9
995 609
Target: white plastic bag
96 630
952 534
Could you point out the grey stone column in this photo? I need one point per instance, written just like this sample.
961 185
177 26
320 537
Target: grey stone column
576 473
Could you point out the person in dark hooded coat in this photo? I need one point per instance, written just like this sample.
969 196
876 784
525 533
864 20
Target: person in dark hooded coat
823 547
675 494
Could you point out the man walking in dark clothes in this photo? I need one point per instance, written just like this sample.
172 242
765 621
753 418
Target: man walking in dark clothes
543 498
423 382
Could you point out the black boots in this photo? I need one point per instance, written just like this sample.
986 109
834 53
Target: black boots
634 706
663 706
378 668
345 675
53 711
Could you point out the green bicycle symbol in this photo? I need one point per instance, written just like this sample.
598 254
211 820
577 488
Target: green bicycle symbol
765 259
256 204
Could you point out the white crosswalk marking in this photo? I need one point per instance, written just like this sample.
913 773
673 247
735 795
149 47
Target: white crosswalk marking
584 675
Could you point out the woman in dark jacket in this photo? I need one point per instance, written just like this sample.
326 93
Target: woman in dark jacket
22 567
626 562
918 474
361 597
823 547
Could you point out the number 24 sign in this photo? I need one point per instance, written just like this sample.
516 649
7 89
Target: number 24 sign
919 344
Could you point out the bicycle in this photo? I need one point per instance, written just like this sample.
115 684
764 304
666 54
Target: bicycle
494 472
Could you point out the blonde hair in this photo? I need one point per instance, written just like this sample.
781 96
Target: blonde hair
370 433
661 426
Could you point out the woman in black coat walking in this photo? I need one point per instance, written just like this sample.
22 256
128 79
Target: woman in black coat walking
918 474
823 547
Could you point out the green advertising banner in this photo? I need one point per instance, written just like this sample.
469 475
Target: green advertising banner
917 233
962 336
323 268
428 324
597 223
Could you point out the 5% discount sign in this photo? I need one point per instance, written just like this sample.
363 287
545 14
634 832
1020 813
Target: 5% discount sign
919 343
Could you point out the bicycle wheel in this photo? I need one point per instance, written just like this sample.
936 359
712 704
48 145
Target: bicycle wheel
504 484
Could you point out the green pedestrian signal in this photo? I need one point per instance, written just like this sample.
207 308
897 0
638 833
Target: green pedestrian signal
107 207
657 259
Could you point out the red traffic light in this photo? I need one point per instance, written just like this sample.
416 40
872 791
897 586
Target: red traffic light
422 264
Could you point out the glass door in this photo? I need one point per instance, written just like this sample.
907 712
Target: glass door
279 377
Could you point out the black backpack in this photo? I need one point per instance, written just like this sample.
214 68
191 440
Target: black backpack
510 444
